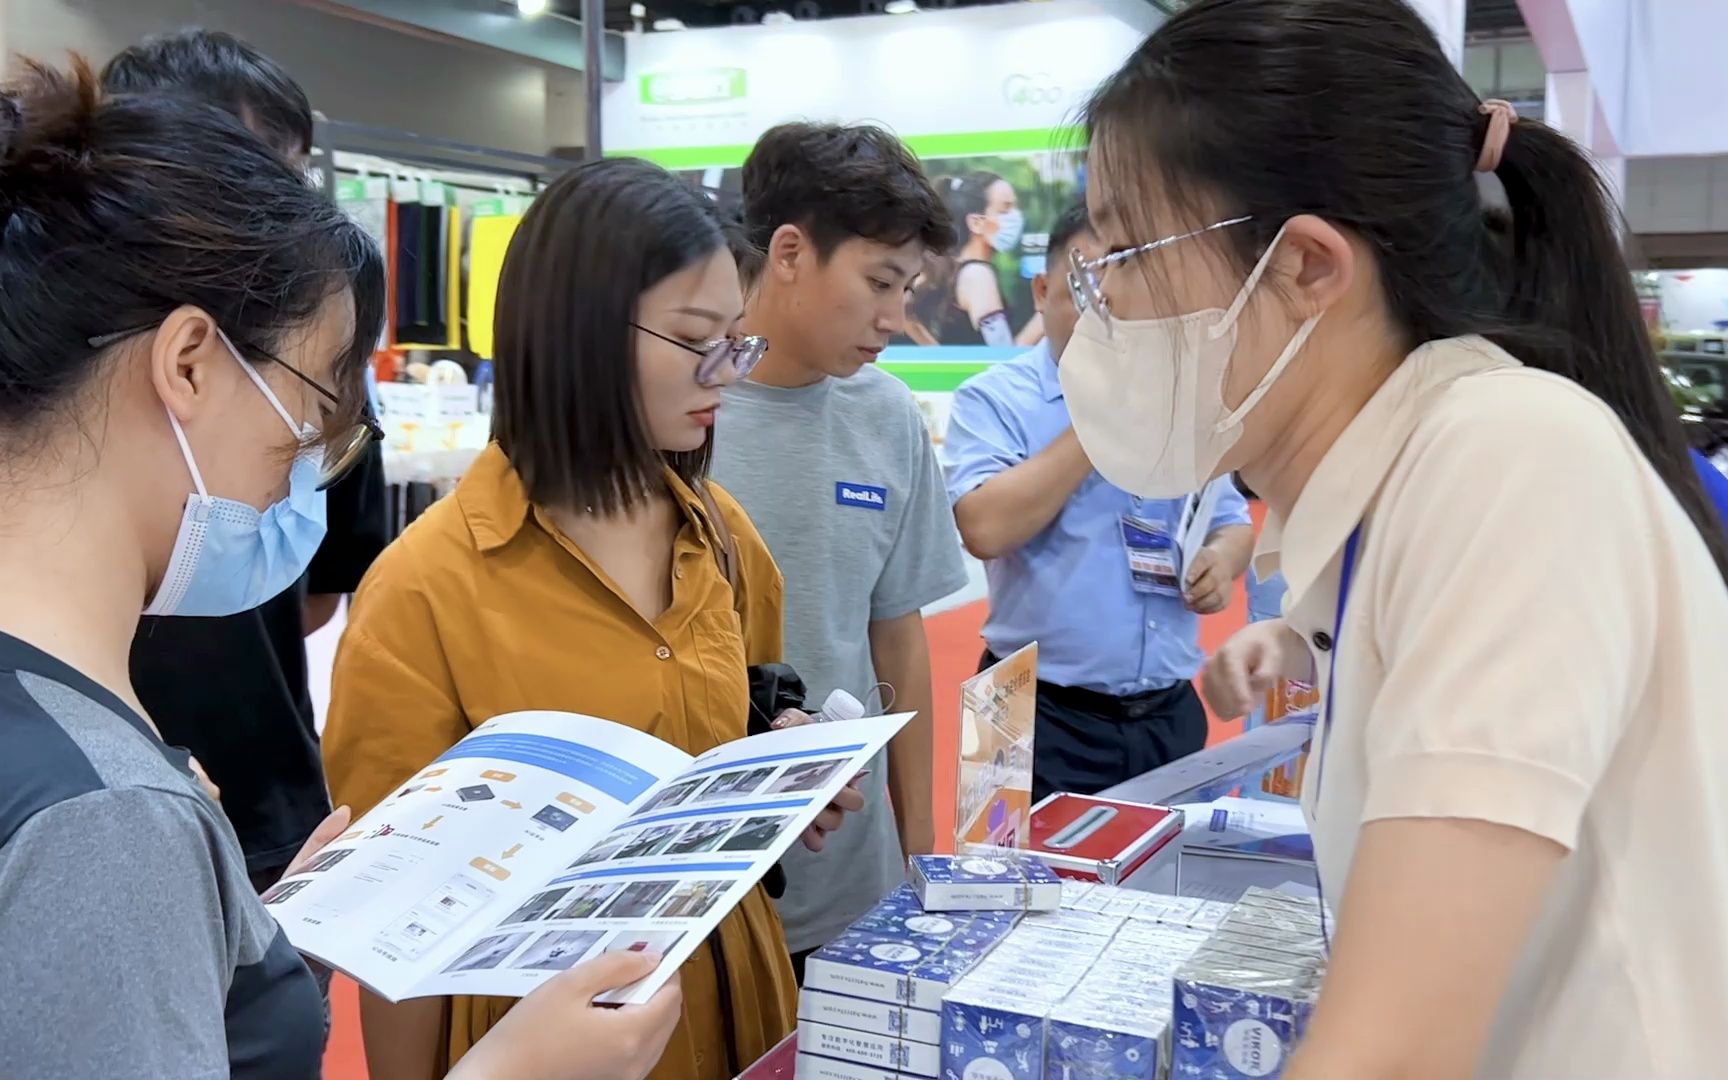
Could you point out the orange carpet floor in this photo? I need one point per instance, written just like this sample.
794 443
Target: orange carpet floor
954 650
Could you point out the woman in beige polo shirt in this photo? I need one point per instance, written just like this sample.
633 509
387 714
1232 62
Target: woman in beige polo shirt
1403 315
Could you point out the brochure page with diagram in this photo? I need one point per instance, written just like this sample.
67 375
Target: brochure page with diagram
543 839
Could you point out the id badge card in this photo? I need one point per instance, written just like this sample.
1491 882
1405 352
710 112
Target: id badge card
1151 556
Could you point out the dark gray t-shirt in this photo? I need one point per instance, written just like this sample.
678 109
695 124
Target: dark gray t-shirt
131 942
842 482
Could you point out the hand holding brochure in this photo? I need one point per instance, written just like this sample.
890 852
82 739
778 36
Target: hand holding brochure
1196 524
527 848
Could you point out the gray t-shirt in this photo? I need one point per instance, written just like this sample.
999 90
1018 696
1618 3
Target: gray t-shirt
842 482
131 942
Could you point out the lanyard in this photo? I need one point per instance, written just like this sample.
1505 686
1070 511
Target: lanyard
1346 575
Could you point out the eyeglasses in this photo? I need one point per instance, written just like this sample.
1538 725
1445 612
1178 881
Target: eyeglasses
341 454
1084 274
742 354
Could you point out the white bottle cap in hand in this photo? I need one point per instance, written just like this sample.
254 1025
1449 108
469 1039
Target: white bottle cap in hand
841 706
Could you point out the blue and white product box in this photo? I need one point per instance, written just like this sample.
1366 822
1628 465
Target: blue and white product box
998 881
1087 1042
899 953
867 1048
878 1017
989 1033
1236 1024
810 1067
1242 1003
1050 1003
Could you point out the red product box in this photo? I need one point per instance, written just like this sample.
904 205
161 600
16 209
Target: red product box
777 1064
1092 839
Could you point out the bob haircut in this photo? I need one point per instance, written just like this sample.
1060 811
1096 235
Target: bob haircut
566 409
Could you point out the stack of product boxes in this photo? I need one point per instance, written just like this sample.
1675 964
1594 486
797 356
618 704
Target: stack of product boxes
1079 994
872 999
1068 981
1243 1000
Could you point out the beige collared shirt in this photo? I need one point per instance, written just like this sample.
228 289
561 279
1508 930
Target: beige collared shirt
1535 637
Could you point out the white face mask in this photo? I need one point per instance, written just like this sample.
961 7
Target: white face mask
1147 396
1010 226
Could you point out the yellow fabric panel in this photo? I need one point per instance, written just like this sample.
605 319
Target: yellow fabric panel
486 248
453 284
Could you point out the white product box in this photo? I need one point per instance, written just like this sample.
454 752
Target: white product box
878 1017
863 1048
811 1067
1090 923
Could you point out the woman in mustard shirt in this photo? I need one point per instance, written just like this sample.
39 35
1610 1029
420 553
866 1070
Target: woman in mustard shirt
584 564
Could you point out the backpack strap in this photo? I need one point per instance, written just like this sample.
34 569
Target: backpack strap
726 552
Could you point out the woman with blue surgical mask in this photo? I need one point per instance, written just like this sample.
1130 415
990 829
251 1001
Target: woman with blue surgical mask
987 217
182 338
1403 315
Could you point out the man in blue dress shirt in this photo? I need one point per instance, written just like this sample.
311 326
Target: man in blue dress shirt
1116 651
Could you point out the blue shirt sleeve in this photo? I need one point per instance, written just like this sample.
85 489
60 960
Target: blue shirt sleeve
1232 508
981 441
1715 484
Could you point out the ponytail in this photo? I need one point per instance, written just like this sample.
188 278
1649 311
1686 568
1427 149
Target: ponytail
1350 110
1575 313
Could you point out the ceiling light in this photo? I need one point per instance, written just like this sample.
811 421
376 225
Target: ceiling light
900 7
664 25
531 7
638 11
776 18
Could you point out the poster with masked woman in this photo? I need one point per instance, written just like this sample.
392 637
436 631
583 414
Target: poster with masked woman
979 293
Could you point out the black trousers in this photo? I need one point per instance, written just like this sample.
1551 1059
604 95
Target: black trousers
799 959
1085 741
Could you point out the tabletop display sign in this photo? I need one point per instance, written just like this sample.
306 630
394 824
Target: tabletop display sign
406 401
1289 698
998 709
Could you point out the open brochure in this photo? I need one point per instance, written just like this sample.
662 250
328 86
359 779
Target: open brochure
544 838
1240 828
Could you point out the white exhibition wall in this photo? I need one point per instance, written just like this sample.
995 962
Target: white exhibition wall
1674 88
965 71
1017 68
1694 299
1653 68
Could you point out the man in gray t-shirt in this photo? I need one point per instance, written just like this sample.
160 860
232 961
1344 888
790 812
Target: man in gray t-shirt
832 460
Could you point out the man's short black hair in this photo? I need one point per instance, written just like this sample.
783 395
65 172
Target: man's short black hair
839 181
1073 222
221 70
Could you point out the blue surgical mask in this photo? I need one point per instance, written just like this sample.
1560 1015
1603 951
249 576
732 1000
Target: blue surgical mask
229 557
1010 226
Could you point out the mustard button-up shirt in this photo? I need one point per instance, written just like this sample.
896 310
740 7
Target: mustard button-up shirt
483 607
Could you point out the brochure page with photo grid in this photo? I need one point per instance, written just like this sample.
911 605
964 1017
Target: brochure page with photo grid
527 848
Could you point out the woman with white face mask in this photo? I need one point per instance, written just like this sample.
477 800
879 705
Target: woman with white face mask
182 336
1403 315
